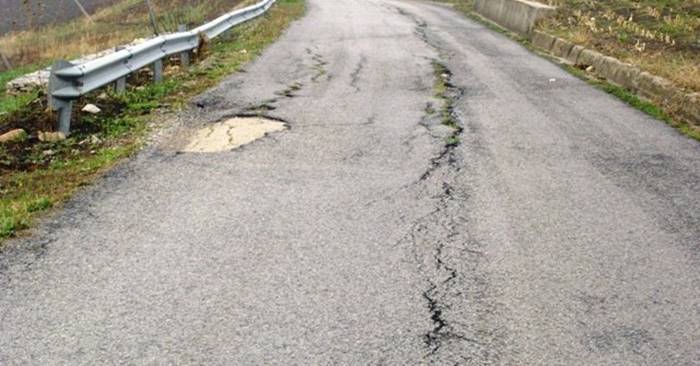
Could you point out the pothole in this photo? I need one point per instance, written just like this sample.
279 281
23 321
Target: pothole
231 134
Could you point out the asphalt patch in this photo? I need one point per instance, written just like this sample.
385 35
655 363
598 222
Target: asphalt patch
231 134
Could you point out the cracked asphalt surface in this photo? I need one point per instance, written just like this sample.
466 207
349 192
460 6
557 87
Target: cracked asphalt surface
563 229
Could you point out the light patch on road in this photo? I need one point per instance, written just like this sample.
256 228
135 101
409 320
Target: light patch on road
232 134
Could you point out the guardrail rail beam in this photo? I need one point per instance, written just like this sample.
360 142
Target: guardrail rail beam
69 81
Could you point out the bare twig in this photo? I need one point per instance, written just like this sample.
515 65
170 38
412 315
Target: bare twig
152 17
82 9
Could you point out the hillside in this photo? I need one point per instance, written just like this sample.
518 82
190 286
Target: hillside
19 15
117 24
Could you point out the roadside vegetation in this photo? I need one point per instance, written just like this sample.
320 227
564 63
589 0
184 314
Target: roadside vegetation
36 175
443 89
116 25
660 36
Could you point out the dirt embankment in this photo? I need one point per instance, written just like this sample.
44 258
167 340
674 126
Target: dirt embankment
21 15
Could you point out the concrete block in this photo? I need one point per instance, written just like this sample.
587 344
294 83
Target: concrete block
561 47
518 16
588 57
574 54
609 68
603 65
542 40
690 108
626 75
656 88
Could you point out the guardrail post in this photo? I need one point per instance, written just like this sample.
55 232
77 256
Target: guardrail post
69 82
64 107
185 55
158 71
120 84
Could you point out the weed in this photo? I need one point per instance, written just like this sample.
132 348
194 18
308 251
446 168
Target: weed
443 91
35 176
661 36
669 62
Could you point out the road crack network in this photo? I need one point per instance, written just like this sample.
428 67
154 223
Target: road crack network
448 256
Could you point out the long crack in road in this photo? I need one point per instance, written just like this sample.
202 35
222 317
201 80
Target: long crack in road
435 199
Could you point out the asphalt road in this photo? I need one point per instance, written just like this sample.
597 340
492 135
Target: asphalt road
564 229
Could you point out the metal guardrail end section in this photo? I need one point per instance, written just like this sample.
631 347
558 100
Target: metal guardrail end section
60 99
69 82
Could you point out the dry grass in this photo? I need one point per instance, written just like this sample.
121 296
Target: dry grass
115 25
35 176
661 36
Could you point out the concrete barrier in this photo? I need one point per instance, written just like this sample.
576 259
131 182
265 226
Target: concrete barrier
516 15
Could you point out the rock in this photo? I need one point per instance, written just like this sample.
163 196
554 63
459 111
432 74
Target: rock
51 136
92 109
49 152
15 135
103 96
95 140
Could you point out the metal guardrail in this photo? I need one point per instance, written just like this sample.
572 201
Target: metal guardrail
68 82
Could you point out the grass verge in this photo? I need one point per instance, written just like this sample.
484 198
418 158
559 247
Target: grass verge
660 36
35 175
650 108
636 102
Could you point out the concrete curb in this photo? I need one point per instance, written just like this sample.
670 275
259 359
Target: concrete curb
518 16
655 88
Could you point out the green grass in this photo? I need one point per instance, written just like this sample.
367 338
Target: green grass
441 88
652 109
11 103
27 194
47 180
661 36
634 101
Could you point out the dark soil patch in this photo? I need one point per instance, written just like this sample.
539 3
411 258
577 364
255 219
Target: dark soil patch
87 134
